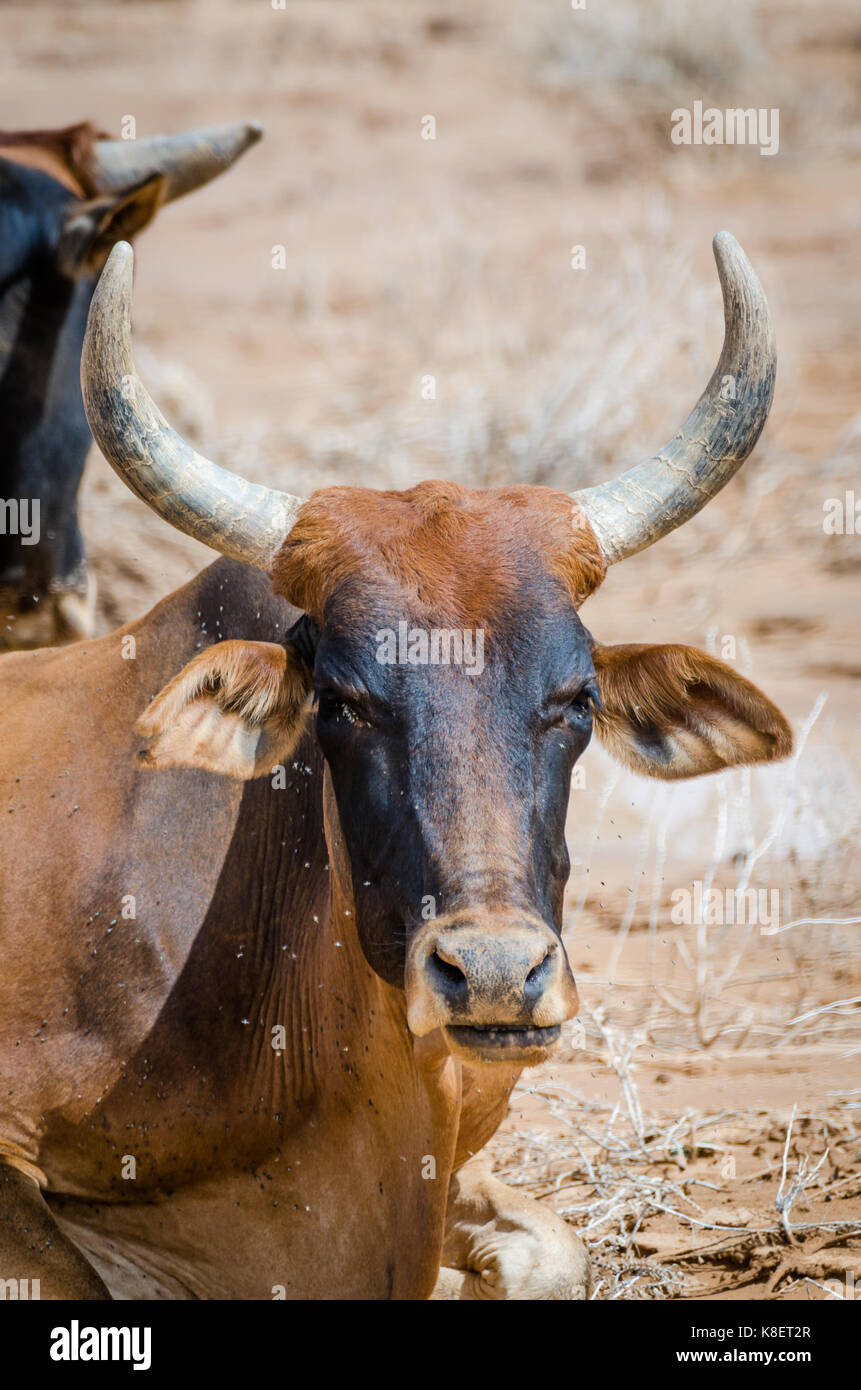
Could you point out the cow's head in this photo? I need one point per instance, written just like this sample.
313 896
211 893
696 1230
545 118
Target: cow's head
66 198
450 679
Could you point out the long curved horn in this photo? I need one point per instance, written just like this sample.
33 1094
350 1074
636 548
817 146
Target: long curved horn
188 160
653 498
235 517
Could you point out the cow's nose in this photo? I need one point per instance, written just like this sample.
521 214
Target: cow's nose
486 974
465 964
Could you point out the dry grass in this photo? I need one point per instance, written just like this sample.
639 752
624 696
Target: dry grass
662 47
550 379
682 1205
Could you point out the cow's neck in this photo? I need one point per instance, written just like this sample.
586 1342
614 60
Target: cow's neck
284 955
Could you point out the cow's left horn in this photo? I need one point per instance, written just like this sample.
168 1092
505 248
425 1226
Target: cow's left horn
235 517
655 497
187 160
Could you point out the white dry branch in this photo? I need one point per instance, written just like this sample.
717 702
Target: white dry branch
804 1177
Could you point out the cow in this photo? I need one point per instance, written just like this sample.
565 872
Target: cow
281 916
66 197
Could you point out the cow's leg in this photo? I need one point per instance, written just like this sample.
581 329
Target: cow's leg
502 1244
32 1245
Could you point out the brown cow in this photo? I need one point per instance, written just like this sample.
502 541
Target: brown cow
279 957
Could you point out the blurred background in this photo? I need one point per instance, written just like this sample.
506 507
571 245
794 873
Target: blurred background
715 1066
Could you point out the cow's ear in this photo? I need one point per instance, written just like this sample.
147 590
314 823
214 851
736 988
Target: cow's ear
92 229
238 708
674 712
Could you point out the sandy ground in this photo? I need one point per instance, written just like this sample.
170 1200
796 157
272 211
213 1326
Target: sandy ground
450 257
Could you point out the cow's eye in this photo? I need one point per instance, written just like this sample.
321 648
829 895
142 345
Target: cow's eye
332 706
586 700
577 710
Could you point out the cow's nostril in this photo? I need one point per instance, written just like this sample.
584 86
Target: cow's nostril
536 980
449 977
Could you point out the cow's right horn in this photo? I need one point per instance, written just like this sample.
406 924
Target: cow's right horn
240 519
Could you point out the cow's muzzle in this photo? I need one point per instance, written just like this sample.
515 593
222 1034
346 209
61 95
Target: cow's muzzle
499 987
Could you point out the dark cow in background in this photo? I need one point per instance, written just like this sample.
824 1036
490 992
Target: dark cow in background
66 197
239 1057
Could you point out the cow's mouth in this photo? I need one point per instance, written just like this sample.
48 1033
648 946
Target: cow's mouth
504 1041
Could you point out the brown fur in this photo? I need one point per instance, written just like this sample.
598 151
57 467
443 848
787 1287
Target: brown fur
704 714
66 154
458 551
237 708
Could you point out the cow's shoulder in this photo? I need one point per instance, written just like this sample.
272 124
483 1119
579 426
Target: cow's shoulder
227 600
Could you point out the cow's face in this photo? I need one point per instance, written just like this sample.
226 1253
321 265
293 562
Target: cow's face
453 687
452 697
